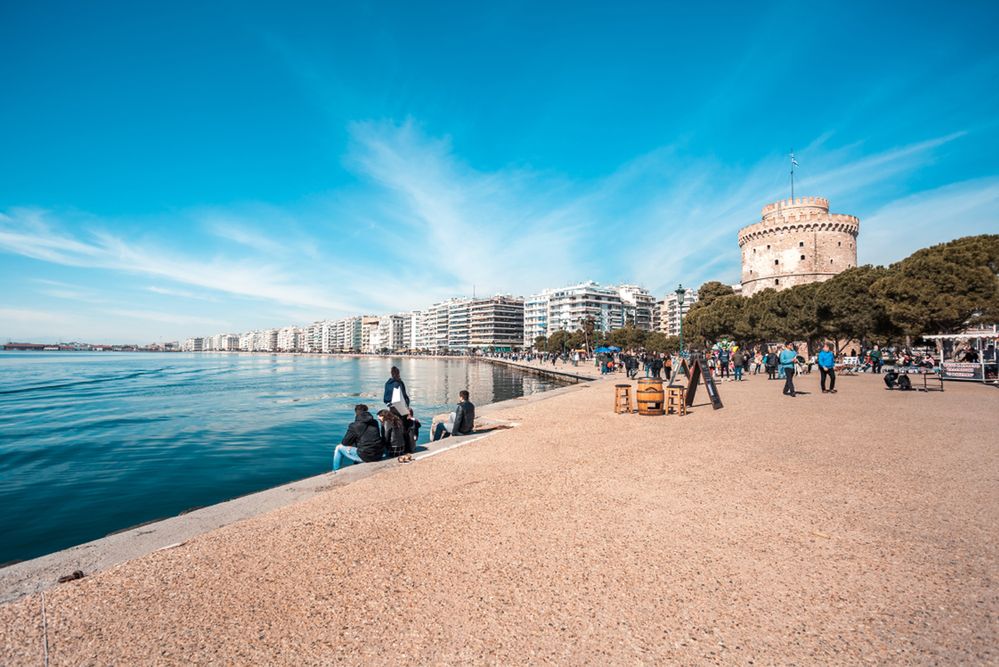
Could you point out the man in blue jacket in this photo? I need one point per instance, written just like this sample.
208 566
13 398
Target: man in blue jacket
827 368
787 358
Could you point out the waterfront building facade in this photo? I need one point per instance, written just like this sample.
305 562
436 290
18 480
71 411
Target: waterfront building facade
797 241
638 306
496 323
568 308
670 312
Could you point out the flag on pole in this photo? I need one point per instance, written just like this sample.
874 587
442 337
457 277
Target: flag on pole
794 163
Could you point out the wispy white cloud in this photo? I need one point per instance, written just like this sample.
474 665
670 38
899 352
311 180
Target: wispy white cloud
28 233
901 227
184 294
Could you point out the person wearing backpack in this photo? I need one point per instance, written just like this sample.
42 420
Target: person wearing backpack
723 358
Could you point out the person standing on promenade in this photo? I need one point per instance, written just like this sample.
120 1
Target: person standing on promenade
724 356
877 361
657 367
396 398
827 369
362 443
770 361
738 361
788 357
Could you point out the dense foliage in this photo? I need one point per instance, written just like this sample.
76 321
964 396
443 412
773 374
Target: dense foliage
941 289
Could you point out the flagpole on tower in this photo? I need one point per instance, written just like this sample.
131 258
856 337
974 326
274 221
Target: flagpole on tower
794 163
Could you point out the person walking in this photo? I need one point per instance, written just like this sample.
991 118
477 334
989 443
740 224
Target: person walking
827 369
788 357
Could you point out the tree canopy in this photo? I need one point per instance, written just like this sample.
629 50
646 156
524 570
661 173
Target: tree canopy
941 289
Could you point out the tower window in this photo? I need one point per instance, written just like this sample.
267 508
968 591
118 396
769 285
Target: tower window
776 261
776 281
768 247
839 243
830 261
801 244
803 257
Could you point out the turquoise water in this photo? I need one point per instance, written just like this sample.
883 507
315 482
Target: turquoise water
92 443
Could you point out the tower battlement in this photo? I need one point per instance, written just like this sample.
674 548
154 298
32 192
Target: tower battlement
785 206
796 241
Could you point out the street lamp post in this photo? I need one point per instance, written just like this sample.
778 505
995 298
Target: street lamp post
679 307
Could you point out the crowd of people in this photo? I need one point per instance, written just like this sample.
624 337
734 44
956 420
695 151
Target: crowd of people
396 431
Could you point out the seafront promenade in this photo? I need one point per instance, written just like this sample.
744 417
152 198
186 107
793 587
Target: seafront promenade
856 527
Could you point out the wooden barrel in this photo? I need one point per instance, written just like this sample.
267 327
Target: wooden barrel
650 397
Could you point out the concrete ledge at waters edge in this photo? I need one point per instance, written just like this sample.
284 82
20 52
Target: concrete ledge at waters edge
578 374
41 573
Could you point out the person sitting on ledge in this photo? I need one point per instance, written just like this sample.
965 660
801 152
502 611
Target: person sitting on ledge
393 433
464 419
362 443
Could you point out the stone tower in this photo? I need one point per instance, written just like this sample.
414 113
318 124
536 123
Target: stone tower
798 241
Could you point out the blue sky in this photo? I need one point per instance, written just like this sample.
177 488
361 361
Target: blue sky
174 169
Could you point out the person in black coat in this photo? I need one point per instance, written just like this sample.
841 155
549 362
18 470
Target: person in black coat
393 433
464 419
362 443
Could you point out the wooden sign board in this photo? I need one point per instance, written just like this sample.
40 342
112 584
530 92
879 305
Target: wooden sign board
679 365
701 374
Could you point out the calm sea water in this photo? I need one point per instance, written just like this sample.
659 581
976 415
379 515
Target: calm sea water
92 443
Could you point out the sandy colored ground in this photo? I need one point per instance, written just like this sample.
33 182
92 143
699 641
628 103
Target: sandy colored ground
848 528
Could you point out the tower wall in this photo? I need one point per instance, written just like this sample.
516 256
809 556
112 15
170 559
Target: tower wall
796 242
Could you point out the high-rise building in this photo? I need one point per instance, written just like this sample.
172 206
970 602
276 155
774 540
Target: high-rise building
670 312
569 308
411 330
496 323
288 339
193 345
639 306
369 333
458 325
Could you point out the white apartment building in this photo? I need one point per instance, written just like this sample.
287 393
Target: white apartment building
411 330
670 313
348 334
369 333
458 325
390 334
496 323
193 345
288 339
567 308
639 306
